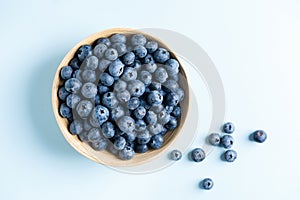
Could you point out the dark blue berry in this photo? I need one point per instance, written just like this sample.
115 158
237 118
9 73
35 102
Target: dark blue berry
127 153
151 117
140 125
66 72
110 100
154 97
76 127
198 155
227 141
176 112
148 59
128 58
161 55
63 93
155 86
136 64
207 184
119 143
156 141
172 99
260 136
141 148
102 89
84 51
228 127
106 79
172 67
214 139
151 46
230 155
97 99
133 103
175 155
140 51
101 114
73 85
139 112
65 111
116 68
75 63
172 124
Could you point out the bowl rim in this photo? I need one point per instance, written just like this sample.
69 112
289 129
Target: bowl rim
108 158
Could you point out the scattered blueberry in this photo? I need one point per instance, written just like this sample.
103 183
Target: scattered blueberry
207 184
156 141
260 136
214 139
175 155
230 155
198 155
228 127
227 141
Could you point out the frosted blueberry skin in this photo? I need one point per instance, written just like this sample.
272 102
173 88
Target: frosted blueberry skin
84 108
139 112
140 51
105 41
198 155
73 85
101 114
259 136
83 52
65 111
76 127
138 39
116 68
151 46
99 50
230 155
207 184
141 148
127 153
161 55
228 127
66 72
63 93
133 103
106 79
90 62
175 155
99 144
227 141
214 139
119 143
128 58
89 90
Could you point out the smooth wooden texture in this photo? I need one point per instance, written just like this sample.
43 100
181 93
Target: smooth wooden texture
104 157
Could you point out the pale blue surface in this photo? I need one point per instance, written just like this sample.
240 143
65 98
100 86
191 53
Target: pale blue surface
254 44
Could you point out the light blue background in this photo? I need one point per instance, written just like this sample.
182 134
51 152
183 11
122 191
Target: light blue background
254 44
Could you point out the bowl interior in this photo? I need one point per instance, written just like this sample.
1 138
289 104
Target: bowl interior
105 157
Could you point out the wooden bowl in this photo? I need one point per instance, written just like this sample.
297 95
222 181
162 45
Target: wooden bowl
105 157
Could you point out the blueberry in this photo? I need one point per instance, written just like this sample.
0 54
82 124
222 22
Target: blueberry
172 124
118 37
88 75
172 67
161 55
84 51
136 88
130 137
97 99
228 127
106 79
76 127
176 111
160 75
140 51
90 63
72 85
150 67
126 124
151 117
148 59
227 141
123 96
141 148
65 111
139 112
198 155
66 72
151 46
130 143
145 77
116 68
77 74
75 63
138 39
63 93
172 99
119 86
133 103
129 74
94 122
169 109
157 108
119 143
214 139
180 93
140 125
128 58
127 153
171 85
164 131
136 65
156 141
99 144
259 136
89 90
121 48
117 112
84 108
83 136
230 155
175 155
155 129
102 89
108 129
105 41
155 86
101 114
93 135
164 117
154 97
99 50
110 100
207 183
111 54
103 64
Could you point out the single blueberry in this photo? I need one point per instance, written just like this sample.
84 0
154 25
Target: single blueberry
150 67
227 141
103 64
106 79
101 114
140 125
155 86
119 143
116 68
128 58
172 67
214 139
118 37
136 88
88 75
65 111
66 72
139 112
260 136
145 77
99 144
75 63
198 155
151 46
230 155
73 85
175 155
171 85
76 127
164 117
83 52
136 65
161 55
228 127
89 90
151 117
141 148
154 97
172 99
156 141
93 135
63 93
140 51
117 112
207 183
121 48
176 112
84 108
90 62
108 129
111 54
110 100
148 59
105 41
160 75
127 153
126 124
123 96
155 129
102 89
99 50
138 39
129 74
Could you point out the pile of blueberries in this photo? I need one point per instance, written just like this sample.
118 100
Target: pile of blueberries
121 94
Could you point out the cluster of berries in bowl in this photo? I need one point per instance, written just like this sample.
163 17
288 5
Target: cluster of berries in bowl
122 93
